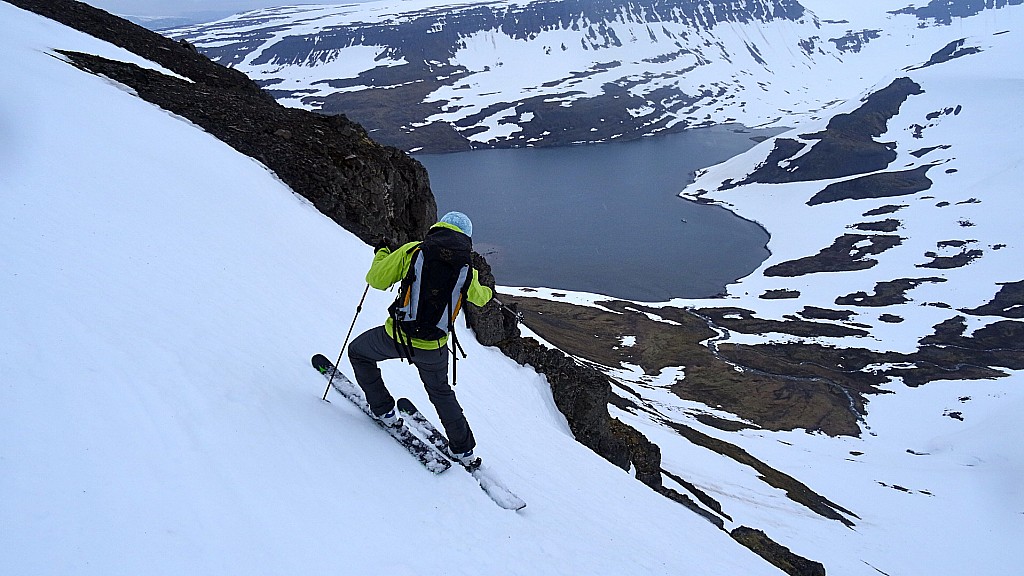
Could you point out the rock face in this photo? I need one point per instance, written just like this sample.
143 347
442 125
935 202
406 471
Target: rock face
371 190
845 148
777 554
581 393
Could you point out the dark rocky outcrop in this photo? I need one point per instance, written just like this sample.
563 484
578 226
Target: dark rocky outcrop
943 11
369 189
951 51
846 147
848 252
776 553
886 293
1008 302
880 185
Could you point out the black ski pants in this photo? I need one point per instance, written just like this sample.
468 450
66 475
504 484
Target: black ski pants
376 345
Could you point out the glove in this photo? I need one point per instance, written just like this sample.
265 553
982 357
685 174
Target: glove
381 243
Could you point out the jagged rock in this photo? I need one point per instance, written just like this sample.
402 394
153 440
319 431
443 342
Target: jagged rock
381 192
581 394
776 553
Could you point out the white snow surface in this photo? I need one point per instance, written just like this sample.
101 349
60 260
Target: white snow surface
160 297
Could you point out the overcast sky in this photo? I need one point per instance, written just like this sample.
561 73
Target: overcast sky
182 7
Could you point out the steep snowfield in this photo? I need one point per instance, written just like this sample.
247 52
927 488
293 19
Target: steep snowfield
160 297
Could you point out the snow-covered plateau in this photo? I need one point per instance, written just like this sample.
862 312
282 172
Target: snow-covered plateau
161 295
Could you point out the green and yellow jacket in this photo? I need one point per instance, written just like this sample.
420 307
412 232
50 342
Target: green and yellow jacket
389 268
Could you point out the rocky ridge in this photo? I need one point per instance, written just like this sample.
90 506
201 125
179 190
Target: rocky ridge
369 189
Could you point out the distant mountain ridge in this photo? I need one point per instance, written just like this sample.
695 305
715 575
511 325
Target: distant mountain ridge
500 73
442 76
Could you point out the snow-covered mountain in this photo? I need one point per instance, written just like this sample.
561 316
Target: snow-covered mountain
439 75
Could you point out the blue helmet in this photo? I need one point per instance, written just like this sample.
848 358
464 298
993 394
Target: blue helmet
460 221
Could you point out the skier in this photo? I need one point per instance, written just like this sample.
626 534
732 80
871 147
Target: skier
436 276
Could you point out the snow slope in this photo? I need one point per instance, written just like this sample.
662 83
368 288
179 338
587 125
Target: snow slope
160 297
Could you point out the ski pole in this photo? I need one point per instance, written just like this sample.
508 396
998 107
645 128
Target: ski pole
337 363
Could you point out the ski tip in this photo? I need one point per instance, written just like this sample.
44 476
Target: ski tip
319 361
405 405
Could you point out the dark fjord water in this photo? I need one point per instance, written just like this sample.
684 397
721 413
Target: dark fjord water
604 218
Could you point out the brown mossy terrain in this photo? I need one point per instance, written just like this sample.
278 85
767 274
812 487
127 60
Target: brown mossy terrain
780 386
774 400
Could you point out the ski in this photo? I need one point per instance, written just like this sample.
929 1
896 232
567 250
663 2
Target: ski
422 451
489 483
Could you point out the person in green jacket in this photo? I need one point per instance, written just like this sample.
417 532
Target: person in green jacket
427 349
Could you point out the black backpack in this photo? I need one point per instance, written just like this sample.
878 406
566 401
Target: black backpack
432 292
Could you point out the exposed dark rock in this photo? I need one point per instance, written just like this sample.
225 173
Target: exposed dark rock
887 225
794 489
946 262
923 151
1008 302
371 190
951 51
704 499
740 320
880 185
886 293
848 252
943 11
1001 336
826 314
887 209
855 41
780 294
777 554
846 147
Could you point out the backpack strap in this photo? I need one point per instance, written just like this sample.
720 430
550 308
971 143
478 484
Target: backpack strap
404 302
